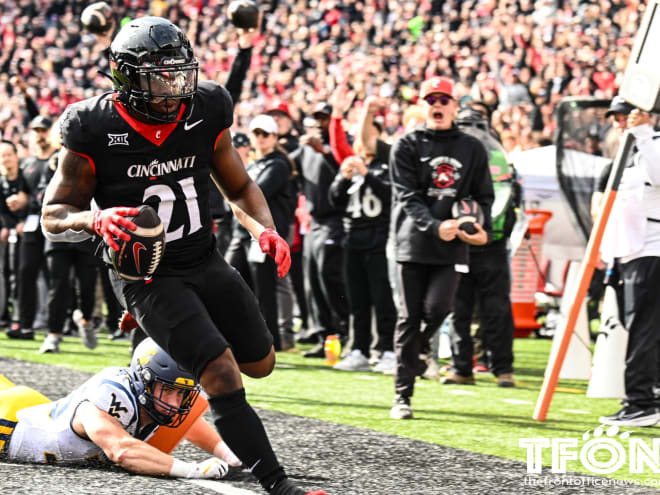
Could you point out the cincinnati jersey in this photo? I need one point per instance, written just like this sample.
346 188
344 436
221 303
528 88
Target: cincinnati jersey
44 432
165 166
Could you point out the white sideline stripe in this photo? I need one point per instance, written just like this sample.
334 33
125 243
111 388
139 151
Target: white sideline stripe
575 411
517 401
221 487
365 377
463 392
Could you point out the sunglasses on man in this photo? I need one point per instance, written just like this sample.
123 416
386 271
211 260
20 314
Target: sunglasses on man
443 99
259 132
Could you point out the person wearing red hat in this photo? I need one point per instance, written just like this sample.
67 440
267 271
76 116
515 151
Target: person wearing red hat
288 138
432 167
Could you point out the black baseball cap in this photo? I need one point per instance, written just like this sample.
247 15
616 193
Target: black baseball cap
619 105
239 139
41 122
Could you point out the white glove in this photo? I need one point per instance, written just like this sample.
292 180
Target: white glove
212 468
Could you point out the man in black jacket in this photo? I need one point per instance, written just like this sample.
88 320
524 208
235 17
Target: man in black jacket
323 252
31 256
432 168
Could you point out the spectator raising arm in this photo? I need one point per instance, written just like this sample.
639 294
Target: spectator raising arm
341 101
368 131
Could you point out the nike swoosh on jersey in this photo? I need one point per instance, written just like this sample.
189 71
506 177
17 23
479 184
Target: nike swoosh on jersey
187 126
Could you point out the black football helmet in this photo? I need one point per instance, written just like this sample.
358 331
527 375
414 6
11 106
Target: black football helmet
150 365
152 66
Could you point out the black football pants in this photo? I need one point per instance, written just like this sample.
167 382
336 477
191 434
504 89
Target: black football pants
30 262
427 296
112 304
60 263
488 284
324 283
368 286
641 286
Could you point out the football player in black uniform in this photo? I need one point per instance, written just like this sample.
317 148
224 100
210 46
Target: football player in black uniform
154 141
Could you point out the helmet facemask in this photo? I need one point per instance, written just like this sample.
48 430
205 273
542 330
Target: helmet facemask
160 411
150 90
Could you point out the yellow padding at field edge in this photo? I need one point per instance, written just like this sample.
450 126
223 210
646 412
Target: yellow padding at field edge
14 399
5 382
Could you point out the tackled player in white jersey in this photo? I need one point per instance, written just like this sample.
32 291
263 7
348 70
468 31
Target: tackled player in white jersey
116 416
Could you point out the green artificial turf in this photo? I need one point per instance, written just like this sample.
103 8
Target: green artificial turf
482 418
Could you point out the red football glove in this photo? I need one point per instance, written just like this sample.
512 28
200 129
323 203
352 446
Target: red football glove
274 246
127 322
106 223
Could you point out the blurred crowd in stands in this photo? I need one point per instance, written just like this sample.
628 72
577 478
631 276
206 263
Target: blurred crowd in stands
518 56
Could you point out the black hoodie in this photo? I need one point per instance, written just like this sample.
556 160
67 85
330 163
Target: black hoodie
430 170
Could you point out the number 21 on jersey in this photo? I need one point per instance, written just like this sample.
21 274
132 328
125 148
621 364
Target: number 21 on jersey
167 198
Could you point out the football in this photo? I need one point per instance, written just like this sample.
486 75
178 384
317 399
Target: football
139 257
97 18
243 14
467 212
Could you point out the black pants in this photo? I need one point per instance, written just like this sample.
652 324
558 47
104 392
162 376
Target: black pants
31 260
112 304
427 294
368 286
222 233
324 283
196 314
488 284
642 314
262 279
298 282
60 263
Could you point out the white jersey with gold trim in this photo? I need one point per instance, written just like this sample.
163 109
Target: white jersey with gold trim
44 432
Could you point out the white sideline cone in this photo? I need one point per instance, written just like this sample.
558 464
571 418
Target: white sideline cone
607 381
577 363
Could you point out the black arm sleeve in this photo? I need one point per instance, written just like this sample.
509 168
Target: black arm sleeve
31 107
238 72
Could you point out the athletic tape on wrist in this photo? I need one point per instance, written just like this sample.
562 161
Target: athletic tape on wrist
180 469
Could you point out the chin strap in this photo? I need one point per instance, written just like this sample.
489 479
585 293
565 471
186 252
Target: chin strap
105 74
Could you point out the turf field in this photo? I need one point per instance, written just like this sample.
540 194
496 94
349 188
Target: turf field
482 419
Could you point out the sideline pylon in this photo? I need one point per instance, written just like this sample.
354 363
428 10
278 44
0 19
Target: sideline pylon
609 364
577 364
